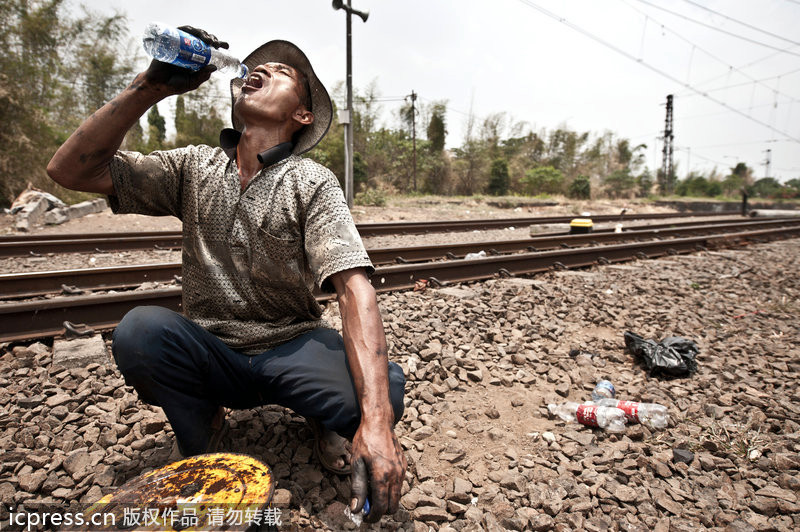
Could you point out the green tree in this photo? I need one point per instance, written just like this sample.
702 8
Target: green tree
580 188
620 183
198 119
766 187
498 178
543 180
156 130
437 130
644 183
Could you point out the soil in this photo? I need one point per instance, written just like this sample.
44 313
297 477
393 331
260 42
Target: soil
483 360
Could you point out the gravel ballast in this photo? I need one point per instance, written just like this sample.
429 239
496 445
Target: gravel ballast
482 363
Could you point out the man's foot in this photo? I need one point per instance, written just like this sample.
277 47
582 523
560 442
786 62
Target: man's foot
332 450
219 428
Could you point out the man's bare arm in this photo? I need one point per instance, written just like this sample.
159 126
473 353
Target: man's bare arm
376 453
82 162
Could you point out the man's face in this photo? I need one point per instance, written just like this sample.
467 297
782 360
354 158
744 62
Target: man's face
272 92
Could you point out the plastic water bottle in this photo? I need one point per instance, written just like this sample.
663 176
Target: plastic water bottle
603 390
171 45
653 415
357 518
604 417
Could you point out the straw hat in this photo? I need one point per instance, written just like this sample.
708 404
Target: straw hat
287 53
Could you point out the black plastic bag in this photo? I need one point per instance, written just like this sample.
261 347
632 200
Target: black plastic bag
673 356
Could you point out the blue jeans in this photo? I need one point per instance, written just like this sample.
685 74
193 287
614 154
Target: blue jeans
174 363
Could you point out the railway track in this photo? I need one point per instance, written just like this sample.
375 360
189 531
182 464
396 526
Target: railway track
23 245
33 284
33 319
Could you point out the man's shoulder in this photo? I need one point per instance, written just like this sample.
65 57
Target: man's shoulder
312 172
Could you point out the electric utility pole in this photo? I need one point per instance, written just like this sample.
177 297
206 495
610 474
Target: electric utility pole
666 165
345 117
768 161
413 97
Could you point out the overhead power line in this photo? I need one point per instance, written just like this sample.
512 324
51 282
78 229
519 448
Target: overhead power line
715 28
708 53
670 77
745 24
715 89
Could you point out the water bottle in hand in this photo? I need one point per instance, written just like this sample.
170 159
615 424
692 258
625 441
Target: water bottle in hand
604 417
171 45
653 415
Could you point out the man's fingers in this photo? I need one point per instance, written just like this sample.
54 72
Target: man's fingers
359 485
204 36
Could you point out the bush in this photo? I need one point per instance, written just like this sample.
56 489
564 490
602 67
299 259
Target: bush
543 180
498 178
372 197
580 188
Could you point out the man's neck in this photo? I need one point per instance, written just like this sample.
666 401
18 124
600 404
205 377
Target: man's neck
253 142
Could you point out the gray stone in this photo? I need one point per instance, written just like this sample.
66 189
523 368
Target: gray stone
75 463
79 352
282 498
30 402
32 482
430 513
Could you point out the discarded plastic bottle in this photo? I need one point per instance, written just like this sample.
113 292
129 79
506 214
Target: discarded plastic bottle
604 417
653 415
171 45
358 518
603 390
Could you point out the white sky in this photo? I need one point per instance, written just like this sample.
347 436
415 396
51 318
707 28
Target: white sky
505 55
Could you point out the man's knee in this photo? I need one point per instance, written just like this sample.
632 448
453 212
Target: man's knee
138 338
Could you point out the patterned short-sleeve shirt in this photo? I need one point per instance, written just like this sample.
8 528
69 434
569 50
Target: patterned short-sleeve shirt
251 257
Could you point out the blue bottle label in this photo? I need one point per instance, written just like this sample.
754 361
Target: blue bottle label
194 53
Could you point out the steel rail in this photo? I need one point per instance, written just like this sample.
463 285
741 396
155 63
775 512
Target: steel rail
543 242
35 319
16 245
33 284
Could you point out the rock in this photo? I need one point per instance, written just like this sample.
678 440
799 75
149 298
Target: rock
777 493
282 498
58 399
664 502
76 462
308 477
430 513
585 438
30 402
422 433
513 481
682 455
625 494
79 352
32 482
541 522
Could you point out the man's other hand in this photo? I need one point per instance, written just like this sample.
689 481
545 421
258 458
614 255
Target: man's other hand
378 471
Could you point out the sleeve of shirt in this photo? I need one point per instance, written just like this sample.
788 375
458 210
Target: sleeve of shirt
332 242
148 184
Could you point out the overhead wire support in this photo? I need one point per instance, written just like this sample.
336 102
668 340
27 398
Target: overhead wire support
709 54
711 26
670 77
745 24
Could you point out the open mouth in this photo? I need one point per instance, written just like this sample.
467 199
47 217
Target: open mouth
254 82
